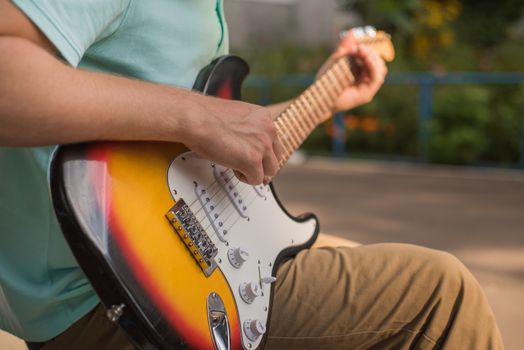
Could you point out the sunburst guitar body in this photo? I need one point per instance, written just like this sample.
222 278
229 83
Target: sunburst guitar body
181 253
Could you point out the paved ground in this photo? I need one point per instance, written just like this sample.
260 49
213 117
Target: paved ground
476 214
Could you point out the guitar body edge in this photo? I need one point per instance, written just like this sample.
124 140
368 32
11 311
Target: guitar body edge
132 255
115 202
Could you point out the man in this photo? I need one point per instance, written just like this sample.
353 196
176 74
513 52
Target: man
382 296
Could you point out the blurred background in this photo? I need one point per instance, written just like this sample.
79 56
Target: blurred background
436 159
454 94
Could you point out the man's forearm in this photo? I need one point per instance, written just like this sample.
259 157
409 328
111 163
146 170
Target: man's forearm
43 101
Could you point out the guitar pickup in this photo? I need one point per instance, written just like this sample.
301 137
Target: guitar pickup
226 181
194 236
214 216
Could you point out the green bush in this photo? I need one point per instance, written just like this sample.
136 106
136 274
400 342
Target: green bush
470 124
459 121
473 124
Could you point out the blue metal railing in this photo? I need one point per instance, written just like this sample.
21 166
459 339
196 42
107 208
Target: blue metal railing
426 83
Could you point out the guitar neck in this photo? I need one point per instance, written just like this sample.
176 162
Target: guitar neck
312 107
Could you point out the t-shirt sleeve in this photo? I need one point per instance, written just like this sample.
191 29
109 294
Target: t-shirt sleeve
74 25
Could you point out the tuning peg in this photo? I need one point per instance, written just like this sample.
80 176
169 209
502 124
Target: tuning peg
358 32
370 31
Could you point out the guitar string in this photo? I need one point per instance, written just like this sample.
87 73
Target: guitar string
293 110
229 205
213 201
209 186
224 196
218 204
254 196
212 184
234 211
236 220
289 129
207 214
219 191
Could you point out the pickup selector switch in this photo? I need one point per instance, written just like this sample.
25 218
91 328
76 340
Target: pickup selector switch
253 329
249 291
237 256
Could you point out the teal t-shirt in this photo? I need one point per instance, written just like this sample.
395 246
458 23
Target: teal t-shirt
42 289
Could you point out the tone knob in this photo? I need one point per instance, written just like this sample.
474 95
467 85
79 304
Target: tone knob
254 329
237 256
249 291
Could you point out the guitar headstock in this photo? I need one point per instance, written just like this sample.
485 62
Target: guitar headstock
378 40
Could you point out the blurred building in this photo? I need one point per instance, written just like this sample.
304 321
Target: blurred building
274 22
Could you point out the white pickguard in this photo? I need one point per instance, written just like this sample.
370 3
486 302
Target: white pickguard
264 232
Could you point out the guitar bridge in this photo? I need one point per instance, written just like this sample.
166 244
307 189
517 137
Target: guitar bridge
194 236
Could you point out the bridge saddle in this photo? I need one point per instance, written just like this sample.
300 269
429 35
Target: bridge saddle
194 236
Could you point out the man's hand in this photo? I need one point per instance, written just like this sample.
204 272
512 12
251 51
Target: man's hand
237 135
372 72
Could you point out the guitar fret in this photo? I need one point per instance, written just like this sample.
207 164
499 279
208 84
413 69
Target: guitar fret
293 109
327 89
337 88
301 111
294 138
311 106
320 99
346 67
347 72
286 150
318 103
290 137
296 128
307 122
312 114
345 78
295 132
340 76
285 156
309 109
283 135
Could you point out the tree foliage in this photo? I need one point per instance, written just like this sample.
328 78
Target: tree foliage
470 123
425 29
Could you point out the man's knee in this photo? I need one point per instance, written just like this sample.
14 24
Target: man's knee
447 266
447 273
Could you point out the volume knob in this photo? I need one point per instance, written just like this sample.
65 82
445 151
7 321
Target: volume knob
249 291
254 329
237 256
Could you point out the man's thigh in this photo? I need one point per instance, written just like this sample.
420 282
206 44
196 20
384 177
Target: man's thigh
387 296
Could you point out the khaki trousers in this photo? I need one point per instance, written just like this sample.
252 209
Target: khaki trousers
384 296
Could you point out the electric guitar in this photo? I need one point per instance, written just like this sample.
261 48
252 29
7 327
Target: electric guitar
182 254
